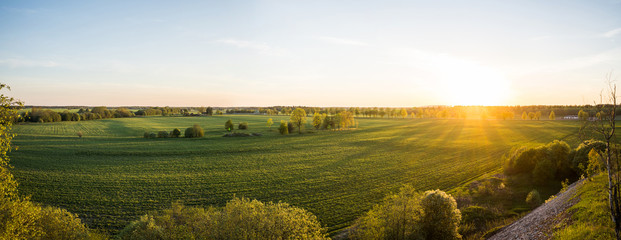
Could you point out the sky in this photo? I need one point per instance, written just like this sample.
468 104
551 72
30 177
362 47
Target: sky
309 53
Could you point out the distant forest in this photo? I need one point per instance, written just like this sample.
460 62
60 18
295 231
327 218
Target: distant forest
535 112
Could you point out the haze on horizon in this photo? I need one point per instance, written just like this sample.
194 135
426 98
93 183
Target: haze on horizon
312 53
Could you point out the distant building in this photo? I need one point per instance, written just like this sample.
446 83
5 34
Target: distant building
571 117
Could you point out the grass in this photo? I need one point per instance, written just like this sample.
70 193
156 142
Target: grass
112 175
589 217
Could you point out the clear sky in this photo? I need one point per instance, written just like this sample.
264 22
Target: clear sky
313 53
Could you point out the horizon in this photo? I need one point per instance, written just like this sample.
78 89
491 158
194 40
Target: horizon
321 53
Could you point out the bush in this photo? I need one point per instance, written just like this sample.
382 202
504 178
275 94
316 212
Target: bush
477 216
283 129
228 125
175 133
239 219
194 132
544 163
152 135
581 155
533 199
146 135
243 126
162 134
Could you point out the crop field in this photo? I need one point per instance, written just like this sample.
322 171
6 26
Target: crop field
112 175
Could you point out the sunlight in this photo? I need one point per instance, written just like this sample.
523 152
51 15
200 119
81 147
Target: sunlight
469 83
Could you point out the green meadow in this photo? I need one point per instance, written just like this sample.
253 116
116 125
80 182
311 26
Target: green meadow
112 175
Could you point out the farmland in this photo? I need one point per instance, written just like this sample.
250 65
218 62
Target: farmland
112 175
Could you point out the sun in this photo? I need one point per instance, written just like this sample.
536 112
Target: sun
469 83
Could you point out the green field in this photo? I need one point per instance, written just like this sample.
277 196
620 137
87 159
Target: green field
112 175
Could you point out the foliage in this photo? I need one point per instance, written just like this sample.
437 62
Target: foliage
533 199
290 127
581 155
176 133
228 125
397 217
8 111
194 132
595 164
477 216
163 134
298 118
410 215
242 126
270 122
524 116
544 163
552 116
239 219
441 217
316 120
283 129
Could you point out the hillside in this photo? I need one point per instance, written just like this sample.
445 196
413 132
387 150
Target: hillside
577 213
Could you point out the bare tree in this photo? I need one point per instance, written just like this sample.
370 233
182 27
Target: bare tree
604 126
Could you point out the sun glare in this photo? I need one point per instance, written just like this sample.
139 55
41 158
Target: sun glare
469 83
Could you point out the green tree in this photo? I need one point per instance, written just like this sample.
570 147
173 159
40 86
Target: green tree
531 115
8 111
552 116
317 120
228 125
283 129
270 122
538 115
441 219
194 132
404 113
176 132
298 118
397 217
524 116
238 219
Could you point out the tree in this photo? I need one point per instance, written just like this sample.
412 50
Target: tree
441 219
524 116
238 219
176 132
228 125
270 122
531 115
605 127
194 132
242 126
583 116
317 120
404 113
552 116
298 118
8 110
538 115
397 217
283 129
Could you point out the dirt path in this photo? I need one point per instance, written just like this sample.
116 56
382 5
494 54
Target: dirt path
539 223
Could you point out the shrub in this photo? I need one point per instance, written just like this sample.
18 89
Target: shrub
477 216
533 199
146 135
152 135
243 126
581 155
194 132
441 217
228 125
239 219
283 129
175 133
162 134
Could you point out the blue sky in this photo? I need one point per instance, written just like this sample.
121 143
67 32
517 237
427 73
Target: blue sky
316 53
